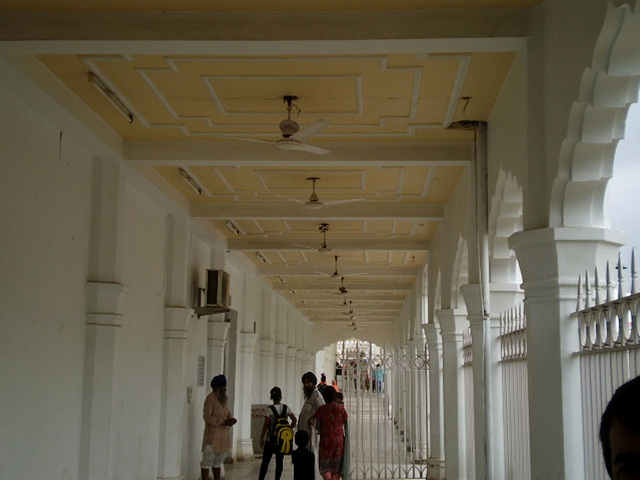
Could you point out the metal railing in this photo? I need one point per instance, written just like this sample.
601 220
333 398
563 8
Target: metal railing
609 349
513 354
384 394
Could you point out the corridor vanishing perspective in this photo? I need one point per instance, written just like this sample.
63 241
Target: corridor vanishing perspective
385 398
405 195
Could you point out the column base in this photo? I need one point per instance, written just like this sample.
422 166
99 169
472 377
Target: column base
245 450
435 469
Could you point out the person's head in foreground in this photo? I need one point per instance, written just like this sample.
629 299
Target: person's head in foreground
620 432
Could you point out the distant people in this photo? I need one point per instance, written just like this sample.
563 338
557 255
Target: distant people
340 398
334 384
378 378
216 441
267 443
332 418
323 382
620 432
304 464
313 401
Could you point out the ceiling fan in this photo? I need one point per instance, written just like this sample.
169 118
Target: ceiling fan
335 274
324 228
293 137
314 201
342 290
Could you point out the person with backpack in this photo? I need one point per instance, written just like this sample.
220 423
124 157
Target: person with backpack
277 434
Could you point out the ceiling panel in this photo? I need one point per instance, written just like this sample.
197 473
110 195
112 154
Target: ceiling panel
206 125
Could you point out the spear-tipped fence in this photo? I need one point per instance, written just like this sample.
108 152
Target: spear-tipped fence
609 348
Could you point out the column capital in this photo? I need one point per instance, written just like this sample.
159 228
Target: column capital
217 333
105 303
452 321
503 297
431 332
279 349
246 341
553 257
290 353
176 322
472 294
266 346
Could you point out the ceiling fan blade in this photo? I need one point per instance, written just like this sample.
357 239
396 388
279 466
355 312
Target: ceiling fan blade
354 274
307 247
342 202
313 149
244 139
292 199
322 273
310 130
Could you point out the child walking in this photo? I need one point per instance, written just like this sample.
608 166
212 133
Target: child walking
302 458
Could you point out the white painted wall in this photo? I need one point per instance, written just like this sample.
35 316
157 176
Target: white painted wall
44 212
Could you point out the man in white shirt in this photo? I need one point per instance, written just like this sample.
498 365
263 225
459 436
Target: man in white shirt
313 401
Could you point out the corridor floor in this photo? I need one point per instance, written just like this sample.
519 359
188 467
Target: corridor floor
377 451
249 470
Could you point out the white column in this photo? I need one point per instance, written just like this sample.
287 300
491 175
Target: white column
217 332
411 401
267 380
174 394
177 317
296 387
106 296
503 297
422 405
435 465
290 359
105 302
551 260
452 325
279 350
242 407
482 378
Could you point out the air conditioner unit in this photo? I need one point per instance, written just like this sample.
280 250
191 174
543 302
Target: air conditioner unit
216 294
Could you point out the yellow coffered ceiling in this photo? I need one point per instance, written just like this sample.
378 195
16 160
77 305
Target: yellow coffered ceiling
205 83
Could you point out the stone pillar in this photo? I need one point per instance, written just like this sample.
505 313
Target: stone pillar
435 462
452 324
105 302
482 378
551 260
243 397
174 394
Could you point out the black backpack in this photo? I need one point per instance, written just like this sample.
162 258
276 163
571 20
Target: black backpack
281 432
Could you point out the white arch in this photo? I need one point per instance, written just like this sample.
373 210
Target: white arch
505 219
596 122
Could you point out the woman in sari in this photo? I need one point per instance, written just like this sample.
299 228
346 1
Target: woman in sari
330 420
